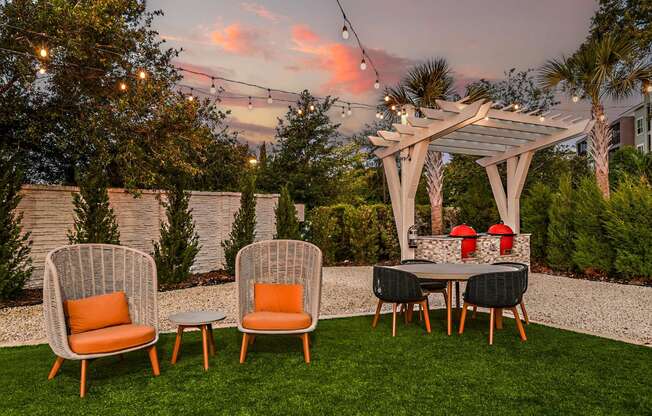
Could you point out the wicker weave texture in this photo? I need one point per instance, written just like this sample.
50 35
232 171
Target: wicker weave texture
279 261
496 290
83 270
396 286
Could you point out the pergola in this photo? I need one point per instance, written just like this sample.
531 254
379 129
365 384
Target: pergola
479 129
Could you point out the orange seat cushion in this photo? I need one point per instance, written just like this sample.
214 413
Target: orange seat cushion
276 297
113 338
276 321
96 312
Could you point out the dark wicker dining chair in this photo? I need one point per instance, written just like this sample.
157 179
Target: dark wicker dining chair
398 287
500 290
524 268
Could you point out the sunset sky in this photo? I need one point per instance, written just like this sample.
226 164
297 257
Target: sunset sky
296 45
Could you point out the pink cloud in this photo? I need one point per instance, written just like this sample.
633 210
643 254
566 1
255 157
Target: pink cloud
242 40
342 62
261 11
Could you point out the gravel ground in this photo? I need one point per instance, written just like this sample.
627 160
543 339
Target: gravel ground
605 309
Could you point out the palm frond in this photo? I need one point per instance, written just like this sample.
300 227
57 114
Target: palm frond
556 72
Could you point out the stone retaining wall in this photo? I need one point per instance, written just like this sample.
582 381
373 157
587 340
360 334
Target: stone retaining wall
444 249
48 215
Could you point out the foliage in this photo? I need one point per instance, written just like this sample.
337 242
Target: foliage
15 246
517 88
629 225
77 113
632 18
629 162
321 227
560 227
178 244
287 224
361 230
306 155
534 218
389 248
95 221
593 251
243 230
225 164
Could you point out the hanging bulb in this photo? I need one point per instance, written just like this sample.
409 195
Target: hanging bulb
345 32
343 113
542 118
123 86
648 88
250 105
363 64
142 74
269 96
486 118
43 53
386 98
41 70
404 112
348 111
516 106
393 107
377 84
213 89
398 113
299 111
312 107
191 97
575 98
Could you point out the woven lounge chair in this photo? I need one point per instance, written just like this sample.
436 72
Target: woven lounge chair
88 270
279 290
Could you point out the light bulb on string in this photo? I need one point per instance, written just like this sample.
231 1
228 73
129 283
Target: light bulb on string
386 98
299 111
516 106
345 32
343 113
312 107
213 89
123 86
393 107
41 70
648 87
575 98
348 111
191 97
43 53
377 84
250 105
602 117
363 64
269 96
542 118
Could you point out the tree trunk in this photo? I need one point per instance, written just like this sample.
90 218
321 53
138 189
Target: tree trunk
600 139
435 180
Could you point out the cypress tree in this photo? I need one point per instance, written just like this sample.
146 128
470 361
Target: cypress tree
287 225
243 230
534 217
95 220
560 228
15 263
178 245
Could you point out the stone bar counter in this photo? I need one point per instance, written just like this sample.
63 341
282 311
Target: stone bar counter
445 249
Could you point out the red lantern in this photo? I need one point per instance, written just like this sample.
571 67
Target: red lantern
506 237
468 236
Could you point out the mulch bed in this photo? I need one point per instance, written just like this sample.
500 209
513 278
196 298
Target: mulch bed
594 276
29 297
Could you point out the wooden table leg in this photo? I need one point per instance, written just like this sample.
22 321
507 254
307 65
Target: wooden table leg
177 344
211 339
449 304
204 339
499 318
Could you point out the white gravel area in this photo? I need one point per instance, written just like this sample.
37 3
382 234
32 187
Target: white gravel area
606 309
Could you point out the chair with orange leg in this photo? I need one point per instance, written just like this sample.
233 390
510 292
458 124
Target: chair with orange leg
398 287
99 300
279 291
496 291
523 268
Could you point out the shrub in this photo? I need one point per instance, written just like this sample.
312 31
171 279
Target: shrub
243 230
15 263
560 228
629 225
361 230
95 221
534 218
287 225
321 226
592 248
178 245
389 247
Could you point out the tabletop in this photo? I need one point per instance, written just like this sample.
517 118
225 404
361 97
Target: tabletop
196 317
451 271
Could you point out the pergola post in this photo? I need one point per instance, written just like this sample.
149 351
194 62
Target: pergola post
508 203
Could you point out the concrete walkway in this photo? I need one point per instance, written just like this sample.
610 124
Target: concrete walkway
606 309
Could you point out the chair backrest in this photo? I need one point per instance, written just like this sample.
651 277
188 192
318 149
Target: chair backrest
279 261
417 261
521 266
496 290
396 286
83 270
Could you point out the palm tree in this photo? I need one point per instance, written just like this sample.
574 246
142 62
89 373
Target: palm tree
421 87
601 68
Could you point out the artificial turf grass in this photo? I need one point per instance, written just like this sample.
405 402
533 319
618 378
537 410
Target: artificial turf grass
354 370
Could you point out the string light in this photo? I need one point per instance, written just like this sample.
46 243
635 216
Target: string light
575 98
250 105
602 117
41 70
386 98
393 107
343 113
269 96
516 106
377 84
345 32
213 89
299 111
191 96
542 118
142 74
348 111
123 86
253 161
312 107
363 63
378 115
648 88
43 53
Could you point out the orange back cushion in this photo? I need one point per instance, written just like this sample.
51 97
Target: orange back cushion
276 297
97 312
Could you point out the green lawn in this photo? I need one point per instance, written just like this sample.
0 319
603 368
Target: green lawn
355 370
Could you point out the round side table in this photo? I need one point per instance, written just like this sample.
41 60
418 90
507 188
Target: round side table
199 319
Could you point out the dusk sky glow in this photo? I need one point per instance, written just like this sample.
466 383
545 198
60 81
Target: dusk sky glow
294 45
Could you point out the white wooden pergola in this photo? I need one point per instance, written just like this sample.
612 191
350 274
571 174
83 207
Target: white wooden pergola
479 129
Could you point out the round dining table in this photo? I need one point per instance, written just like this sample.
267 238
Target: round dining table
454 272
